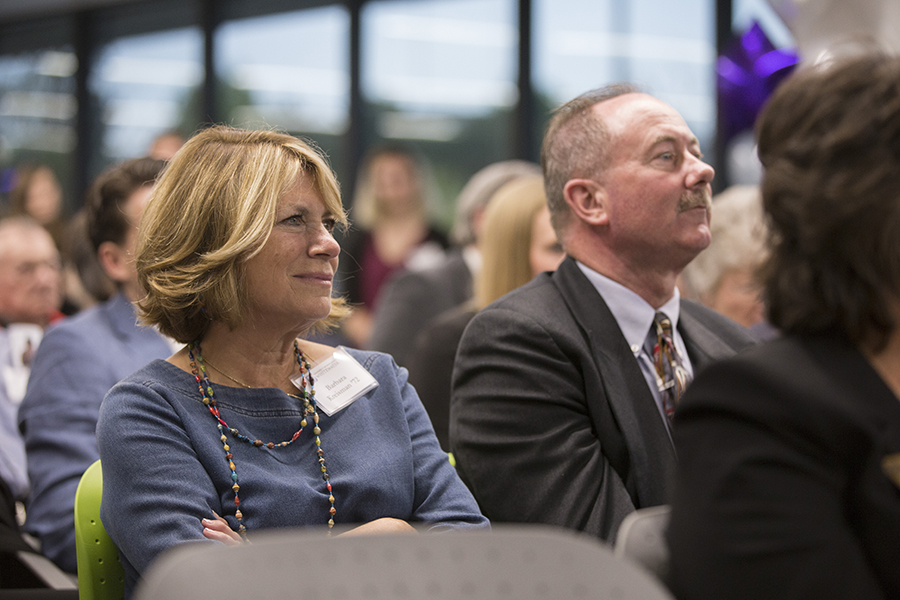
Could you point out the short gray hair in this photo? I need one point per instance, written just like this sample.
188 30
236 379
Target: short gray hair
575 146
481 187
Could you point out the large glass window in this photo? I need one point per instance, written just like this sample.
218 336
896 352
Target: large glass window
745 12
289 71
441 76
146 85
665 48
37 115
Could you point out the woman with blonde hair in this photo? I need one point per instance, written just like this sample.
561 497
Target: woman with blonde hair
390 211
517 243
237 257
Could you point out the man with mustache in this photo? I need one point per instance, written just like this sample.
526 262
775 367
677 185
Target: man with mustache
563 390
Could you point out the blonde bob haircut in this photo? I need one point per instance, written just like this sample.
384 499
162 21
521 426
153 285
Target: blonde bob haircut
212 210
506 238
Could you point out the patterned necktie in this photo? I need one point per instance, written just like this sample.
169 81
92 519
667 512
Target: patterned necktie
671 376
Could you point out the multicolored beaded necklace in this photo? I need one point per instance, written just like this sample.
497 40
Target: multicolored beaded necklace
307 395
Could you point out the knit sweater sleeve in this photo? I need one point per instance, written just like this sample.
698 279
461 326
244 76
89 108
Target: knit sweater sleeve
155 487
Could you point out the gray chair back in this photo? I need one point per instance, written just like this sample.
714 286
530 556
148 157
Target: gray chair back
642 539
508 563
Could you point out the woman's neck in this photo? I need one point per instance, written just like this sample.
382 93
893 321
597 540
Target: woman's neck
394 239
405 217
245 358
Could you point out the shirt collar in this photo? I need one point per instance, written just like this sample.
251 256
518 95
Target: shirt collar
632 313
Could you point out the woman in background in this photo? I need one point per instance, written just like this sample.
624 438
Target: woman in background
789 455
243 429
390 210
38 195
517 242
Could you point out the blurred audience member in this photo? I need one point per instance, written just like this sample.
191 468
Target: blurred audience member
518 243
38 195
80 359
165 145
724 276
29 300
390 213
29 273
788 484
413 297
86 283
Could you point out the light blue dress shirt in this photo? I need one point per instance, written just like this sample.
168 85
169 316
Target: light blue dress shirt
634 315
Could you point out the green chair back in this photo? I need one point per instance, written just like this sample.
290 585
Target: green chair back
100 574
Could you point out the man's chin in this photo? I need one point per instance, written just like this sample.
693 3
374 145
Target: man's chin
704 238
697 214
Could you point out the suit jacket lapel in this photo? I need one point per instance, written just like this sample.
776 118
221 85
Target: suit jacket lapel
650 450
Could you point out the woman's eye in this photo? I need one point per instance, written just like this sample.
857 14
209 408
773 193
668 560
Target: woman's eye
329 224
294 220
667 155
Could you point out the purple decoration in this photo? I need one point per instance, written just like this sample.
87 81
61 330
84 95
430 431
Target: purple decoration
8 180
748 73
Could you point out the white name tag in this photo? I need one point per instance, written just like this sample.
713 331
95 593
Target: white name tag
339 381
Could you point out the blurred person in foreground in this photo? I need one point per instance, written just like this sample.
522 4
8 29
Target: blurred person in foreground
789 473
413 297
237 257
724 276
519 243
563 389
81 358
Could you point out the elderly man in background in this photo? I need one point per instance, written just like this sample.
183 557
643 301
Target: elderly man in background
724 277
29 273
30 297
412 299
563 390
82 358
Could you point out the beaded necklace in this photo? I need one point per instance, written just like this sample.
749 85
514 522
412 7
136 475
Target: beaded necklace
307 395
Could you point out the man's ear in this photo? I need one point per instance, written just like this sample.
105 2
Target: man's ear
587 200
114 260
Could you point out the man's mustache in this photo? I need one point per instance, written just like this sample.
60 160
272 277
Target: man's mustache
701 198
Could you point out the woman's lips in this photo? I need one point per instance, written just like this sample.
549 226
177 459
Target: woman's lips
318 277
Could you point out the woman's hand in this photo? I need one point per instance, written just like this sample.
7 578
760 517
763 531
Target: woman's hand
383 525
217 529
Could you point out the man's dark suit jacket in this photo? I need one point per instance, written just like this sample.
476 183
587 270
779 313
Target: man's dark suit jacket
412 299
783 487
552 420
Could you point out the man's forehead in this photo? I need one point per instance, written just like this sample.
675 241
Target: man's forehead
26 242
637 112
